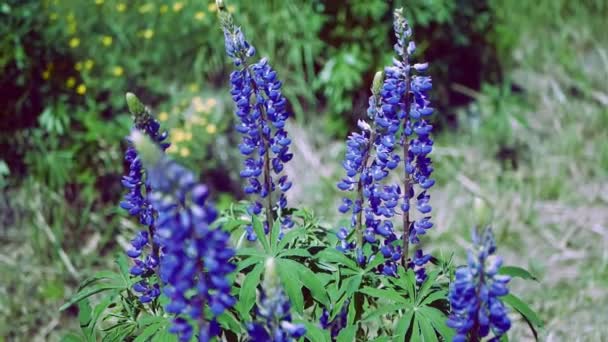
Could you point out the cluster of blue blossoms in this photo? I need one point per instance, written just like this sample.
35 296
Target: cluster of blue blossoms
196 257
137 202
337 324
474 294
398 109
273 312
262 112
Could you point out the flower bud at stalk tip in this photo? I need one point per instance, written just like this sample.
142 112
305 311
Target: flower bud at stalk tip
135 106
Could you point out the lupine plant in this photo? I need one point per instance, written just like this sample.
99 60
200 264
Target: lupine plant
262 271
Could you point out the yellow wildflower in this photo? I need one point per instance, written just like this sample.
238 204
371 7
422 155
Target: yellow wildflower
88 64
193 87
212 7
172 148
106 40
178 6
178 135
184 151
99 2
71 82
200 15
163 116
117 71
211 128
74 42
148 33
78 66
163 9
188 136
211 102
46 74
81 89
121 7
231 8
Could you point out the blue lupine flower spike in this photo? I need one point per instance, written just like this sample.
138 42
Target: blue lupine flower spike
474 295
261 110
144 249
273 320
196 257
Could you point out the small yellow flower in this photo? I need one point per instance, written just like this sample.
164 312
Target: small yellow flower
231 8
163 116
81 89
106 40
163 9
212 7
78 66
121 7
211 102
148 34
74 42
88 64
200 15
184 151
70 82
178 135
193 87
211 128
117 71
99 2
178 6
46 74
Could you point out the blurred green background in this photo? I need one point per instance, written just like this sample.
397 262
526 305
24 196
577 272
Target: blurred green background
523 123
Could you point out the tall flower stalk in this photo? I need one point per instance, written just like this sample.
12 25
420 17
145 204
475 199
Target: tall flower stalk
196 257
474 295
398 109
262 113
137 202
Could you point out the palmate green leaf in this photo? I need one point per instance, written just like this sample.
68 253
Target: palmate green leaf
274 236
247 292
309 280
372 315
89 291
315 333
426 329
258 228
298 252
151 330
527 313
85 314
347 334
99 310
379 259
291 236
403 325
248 251
434 296
252 260
227 320
389 294
292 285
514 271
331 254
438 321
